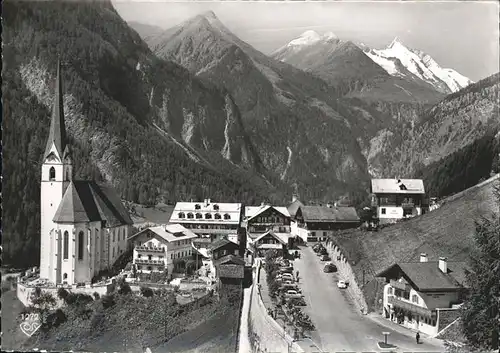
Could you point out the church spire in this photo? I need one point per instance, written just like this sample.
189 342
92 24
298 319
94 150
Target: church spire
57 134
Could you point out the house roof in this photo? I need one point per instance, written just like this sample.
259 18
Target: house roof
207 207
170 232
57 132
87 201
427 277
254 211
293 207
328 214
278 236
220 243
398 186
230 259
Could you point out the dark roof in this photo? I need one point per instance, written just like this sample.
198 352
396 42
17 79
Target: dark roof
293 207
57 132
427 277
220 243
87 201
230 259
230 266
346 214
328 214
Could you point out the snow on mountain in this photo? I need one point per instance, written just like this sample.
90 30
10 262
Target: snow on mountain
306 39
400 61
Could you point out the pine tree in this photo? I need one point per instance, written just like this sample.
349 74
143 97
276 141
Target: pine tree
480 315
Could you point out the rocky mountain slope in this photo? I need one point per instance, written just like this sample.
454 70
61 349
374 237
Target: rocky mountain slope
290 115
146 125
458 120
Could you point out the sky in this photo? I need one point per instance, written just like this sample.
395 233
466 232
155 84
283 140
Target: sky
460 35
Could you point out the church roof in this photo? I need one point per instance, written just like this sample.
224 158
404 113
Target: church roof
87 201
57 132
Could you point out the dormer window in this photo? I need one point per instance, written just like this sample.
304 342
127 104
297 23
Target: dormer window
182 215
227 216
52 174
199 216
402 187
190 215
208 216
216 207
217 216
197 207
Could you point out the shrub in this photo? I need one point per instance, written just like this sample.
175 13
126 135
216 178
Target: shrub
146 292
96 296
62 293
55 319
108 301
125 289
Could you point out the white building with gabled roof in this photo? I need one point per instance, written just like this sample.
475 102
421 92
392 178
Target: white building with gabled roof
162 247
396 199
207 219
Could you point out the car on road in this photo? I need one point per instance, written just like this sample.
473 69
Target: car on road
329 267
286 269
342 284
290 285
325 258
287 276
291 293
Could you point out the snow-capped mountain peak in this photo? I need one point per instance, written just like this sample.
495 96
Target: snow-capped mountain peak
399 60
329 36
306 38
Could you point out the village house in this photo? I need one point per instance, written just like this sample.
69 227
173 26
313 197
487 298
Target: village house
211 221
424 295
221 249
261 219
395 199
166 247
270 241
84 226
317 223
230 269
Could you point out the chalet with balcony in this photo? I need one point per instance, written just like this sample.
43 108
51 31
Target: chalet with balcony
270 241
264 218
209 220
395 199
424 295
166 247
317 223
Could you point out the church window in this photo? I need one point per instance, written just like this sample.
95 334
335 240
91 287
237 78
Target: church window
81 243
65 276
65 245
52 174
67 174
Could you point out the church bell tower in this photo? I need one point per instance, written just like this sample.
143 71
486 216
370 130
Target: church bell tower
57 170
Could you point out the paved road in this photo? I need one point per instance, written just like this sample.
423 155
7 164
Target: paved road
338 326
244 343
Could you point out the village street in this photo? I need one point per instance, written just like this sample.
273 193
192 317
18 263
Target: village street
339 327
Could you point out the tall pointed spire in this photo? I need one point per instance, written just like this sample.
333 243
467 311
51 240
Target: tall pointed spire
57 134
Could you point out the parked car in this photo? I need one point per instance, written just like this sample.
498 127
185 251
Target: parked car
329 267
317 247
342 284
292 293
290 285
297 301
284 270
287 276
325 258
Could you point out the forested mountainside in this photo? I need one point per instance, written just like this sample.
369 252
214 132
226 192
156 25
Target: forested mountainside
455 122
463 168
290 115
145 125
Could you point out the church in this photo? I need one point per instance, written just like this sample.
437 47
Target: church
84 225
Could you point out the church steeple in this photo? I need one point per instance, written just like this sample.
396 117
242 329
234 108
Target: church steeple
57 134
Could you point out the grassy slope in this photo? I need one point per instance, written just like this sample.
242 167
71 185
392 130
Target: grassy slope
446 231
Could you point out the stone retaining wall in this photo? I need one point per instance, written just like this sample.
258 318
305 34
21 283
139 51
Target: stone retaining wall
346 273
266 335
